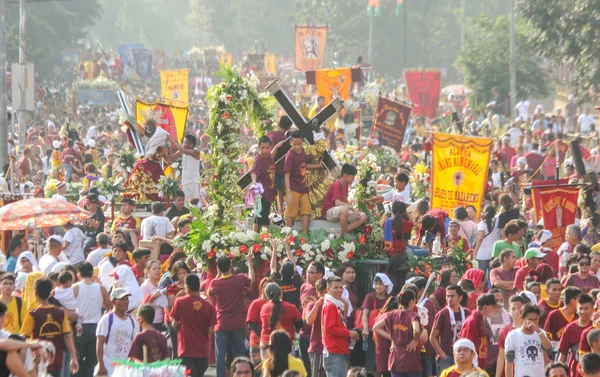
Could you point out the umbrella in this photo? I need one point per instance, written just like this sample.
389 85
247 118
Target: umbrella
457 90
40 213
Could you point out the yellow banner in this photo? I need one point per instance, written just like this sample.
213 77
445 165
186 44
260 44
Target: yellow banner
270 67
169 117
459 175
174 87
226 59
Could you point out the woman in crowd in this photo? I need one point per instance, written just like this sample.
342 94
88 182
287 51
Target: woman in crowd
488 233
253 320
153 294
178 273
371 306
280 358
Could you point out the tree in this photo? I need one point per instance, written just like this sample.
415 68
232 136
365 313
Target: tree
486 57
51 27
567 31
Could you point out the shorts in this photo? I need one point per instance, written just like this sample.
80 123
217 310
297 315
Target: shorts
263 217
333 215
300 205
279 181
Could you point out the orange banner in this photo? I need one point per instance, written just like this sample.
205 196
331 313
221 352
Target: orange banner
311 42
333 82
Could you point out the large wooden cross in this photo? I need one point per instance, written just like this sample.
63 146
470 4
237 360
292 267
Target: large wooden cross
306 127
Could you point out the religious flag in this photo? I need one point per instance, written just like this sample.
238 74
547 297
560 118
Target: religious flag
226 58
125 51
424 91
143 63
373 8
535 194
174 86
160 60
270 66
460 166
333 82
390 121
559 209
171 118
310 47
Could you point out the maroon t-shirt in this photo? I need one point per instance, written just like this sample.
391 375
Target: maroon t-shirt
439 227
336 191
449 333
440 296
498 274
295 164
399 325
371 302
228 298
570 342
277 137
155 342
308 293
545 309
316 336
382 349
289 315
195 315
69 155
264 168
534 161
556 323
586 285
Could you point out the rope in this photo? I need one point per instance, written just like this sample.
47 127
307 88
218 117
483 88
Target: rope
550 152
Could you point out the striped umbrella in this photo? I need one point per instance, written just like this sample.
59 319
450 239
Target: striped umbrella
40 213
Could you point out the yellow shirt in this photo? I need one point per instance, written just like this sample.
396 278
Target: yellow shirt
29 324
294 364
453 372
12 324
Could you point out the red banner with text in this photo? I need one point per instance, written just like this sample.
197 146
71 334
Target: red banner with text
559 209
390 122
424 91
535 194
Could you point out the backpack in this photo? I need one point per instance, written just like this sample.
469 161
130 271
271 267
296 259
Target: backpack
111 318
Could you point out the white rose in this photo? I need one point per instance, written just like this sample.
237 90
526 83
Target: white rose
294 233
305 247
286 230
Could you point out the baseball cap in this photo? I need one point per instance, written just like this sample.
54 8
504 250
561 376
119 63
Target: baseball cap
544 236
534 253
119 293
487 299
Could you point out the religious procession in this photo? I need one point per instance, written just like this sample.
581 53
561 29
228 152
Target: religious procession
299 196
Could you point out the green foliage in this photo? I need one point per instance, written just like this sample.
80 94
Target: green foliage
51 27
567 31
167 187
485 60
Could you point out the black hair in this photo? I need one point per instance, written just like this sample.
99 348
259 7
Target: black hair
129 201
420 282
65 277
570 293
178 194
121 245
590 364
321 285
460 213
280 347
176 267
224 264
183 223
14 243
147 311
489 212
556 365
296 135
402 177
517 298
467 285
319 267
584 298
264 140
399 212
456 288
427 222
176 257
445 279
8 276
192 281
140 252
3 309
86 270
529 308
43 288
157 208
241 360
348 169
191 139
505 254
405 297
510 228
285 122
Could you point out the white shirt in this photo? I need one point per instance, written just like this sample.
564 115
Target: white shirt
528 353
398 196
120 339
59 197
74 251
585 123
156 226
523 108
159 304
514 133
96 256
46 263
487 245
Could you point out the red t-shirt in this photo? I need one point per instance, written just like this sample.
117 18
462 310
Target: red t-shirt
509 153
336 191
556 323
475 329
584 345
288 316
195 315
439 227
569 342
520 277
264 168
69 155
137 272
535 161
254 317
316 340
546 308
295 164
277 137
228 297
440 296
308 293
155 342
552 260
336 338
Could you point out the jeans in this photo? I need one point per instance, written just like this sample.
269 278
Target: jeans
225 340
335 365
441 364
66 365
86 350
196 366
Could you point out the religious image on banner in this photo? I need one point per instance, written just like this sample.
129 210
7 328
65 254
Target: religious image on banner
459 170
169 117
535 194
226 59
390 120
174 86
559 210
331 83
160 60
125 50
424 91
143 63
270 65
310 47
